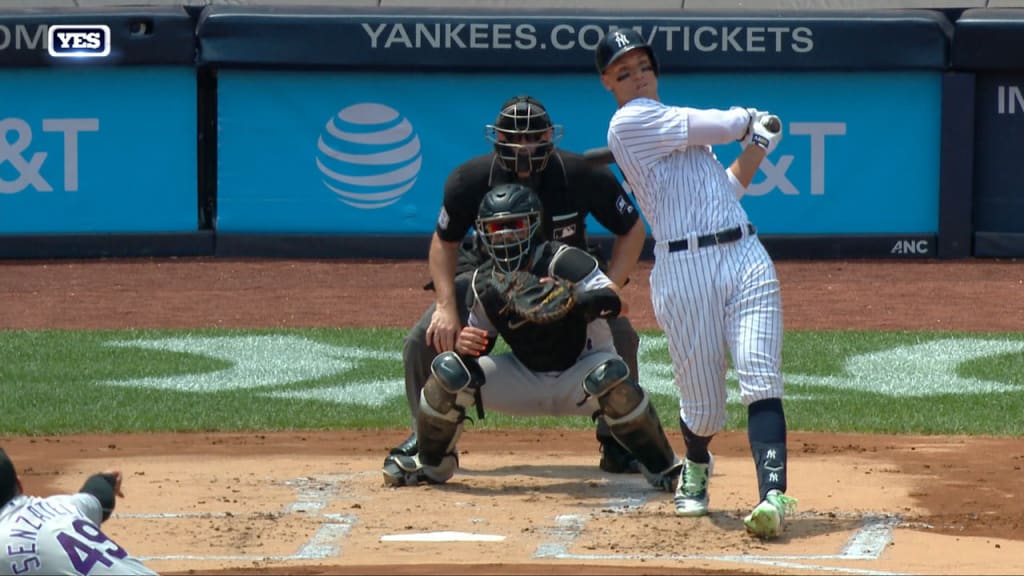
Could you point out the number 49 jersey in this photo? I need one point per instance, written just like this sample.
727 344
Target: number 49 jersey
60 535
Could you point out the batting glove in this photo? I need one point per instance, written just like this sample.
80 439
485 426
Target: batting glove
752 115
766 132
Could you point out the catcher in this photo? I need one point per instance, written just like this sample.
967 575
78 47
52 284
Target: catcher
549 302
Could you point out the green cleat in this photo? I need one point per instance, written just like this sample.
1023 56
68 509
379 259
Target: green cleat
767 517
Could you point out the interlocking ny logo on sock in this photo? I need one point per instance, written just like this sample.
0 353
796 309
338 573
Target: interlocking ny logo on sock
79 40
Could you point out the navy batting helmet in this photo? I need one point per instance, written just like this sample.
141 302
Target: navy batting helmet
619 42
509 224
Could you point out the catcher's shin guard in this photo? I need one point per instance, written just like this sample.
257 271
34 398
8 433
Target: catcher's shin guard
634 422
448 392
438 427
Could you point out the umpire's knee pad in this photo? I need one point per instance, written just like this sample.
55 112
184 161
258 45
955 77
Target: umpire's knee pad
617 394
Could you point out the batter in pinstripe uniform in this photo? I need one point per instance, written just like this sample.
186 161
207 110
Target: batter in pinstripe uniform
713 285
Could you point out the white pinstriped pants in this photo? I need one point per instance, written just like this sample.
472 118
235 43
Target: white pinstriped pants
712 301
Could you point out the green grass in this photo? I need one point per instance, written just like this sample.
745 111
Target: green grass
64 382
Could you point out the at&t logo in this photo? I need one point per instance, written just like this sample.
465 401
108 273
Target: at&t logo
776 172
16 159
369 155
79 40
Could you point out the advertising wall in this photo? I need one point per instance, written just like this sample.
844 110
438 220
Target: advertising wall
99 125
77 160
330 131
365 152
348 122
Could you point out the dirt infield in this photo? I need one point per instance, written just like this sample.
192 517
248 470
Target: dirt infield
313 502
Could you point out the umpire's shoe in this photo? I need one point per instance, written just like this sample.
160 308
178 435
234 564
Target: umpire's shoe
410 447
409 471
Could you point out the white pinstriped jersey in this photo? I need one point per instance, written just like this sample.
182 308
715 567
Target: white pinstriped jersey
712 302
60 535
680 188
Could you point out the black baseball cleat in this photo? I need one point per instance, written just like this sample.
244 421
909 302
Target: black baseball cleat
410 447
617 460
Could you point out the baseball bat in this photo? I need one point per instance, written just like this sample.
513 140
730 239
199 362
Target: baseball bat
773 124
599 156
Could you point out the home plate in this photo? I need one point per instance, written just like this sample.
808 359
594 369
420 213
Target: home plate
442 537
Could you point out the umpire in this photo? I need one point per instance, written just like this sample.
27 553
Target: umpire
525 152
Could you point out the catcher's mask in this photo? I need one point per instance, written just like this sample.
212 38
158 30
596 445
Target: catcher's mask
508 223
523 135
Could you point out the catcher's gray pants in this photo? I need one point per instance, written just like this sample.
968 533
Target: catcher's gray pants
417 356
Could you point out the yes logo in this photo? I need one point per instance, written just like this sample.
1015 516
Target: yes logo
79 41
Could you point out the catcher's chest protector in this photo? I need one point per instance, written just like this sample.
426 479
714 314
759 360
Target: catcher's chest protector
547 348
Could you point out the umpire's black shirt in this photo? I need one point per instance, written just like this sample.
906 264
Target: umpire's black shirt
568 187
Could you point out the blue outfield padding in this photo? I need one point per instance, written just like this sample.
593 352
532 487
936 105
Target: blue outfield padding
988 44
368 153
335 121
429 39
989 40
99 122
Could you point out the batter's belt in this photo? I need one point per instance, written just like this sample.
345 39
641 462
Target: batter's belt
724 236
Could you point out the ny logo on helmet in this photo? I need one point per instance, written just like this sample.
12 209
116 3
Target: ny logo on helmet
621 39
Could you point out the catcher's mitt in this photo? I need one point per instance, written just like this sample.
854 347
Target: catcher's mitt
536 301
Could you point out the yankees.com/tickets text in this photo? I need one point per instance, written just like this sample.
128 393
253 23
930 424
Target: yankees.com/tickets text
523 36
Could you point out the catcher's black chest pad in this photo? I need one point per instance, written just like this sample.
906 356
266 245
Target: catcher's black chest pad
548 348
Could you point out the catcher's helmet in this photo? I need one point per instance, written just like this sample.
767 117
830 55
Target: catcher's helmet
619 42
509 224
523 135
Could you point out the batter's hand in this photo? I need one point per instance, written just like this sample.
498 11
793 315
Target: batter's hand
754 114
472 341
444 328
767 133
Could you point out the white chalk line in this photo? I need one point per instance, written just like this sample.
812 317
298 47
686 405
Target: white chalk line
313 496
866 544
315 493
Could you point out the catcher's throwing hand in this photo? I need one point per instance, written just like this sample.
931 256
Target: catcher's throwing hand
115 475
472 341
538 300
443 329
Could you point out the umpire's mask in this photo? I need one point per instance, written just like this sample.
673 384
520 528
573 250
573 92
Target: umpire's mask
523 136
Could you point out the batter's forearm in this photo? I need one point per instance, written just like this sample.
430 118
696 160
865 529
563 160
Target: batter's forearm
712 127
626 252
745 167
